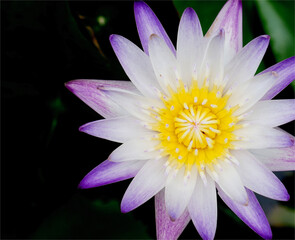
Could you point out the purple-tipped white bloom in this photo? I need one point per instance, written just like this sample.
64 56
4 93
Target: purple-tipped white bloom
192 120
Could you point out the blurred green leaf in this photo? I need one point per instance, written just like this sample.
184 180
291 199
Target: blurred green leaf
278 21
281 216
81 218
57 106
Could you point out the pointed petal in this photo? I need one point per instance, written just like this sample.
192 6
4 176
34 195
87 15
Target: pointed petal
136 149
178 192
163 61
136 64
109 172
277 159
167 229
252 214
147 24
89 92
189 40
249 93
272 113
230 19
229 181
203 208
244 65
255 136
286 74
214 60
140 190
258 178
120 129
130 102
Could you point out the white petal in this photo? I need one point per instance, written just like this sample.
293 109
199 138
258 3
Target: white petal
229 181
147 24
120 129
189 41
163 61
178 192
109 172
258 178
89 92
272 113
133 104
147 183
277 159
136 149
286 74
230 19
249 93
257 136
136 64
244 65
203 208
214 60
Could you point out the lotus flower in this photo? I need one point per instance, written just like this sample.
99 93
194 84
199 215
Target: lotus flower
193 122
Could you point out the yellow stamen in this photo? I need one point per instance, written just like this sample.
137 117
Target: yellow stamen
195 127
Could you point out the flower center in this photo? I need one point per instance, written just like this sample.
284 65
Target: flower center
195 127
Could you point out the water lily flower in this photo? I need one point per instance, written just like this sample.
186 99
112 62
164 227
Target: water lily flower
194 122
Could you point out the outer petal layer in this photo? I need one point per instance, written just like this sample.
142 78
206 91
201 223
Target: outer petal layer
120 129
203 208
140 190
89 91
136 64
249 93
230 19
255 137
258 178
189 44
244 65
286 74
252 214
272 113
147 24
167 229
129 102
109 172
277 159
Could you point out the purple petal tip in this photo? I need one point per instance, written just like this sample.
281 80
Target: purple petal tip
124 208
266 36
69 85
190 11
286 197
83 128
73 85
266 235
140 3
111 37
82 185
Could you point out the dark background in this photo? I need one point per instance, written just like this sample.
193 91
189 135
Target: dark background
44 156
